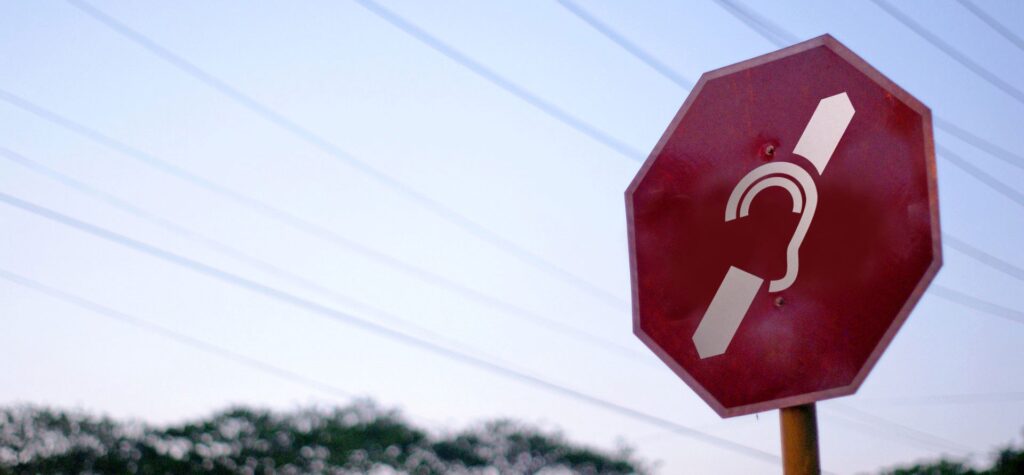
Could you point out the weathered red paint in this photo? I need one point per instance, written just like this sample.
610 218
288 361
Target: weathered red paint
872 248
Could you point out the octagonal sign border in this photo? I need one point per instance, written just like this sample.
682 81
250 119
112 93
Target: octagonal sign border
871 73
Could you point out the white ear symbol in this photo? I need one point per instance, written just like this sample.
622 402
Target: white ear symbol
738 288
793 179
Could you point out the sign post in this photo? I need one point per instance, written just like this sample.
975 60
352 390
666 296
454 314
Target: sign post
781 232
799 426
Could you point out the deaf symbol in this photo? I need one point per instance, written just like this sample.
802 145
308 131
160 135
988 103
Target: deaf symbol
737 290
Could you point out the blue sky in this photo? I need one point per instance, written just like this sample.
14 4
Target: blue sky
382 96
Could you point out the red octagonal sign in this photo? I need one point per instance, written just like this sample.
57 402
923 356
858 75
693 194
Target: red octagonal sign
783 228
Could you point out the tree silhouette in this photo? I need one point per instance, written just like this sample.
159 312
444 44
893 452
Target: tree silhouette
1007 461
360 438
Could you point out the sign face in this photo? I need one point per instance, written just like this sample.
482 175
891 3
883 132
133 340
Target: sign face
783 228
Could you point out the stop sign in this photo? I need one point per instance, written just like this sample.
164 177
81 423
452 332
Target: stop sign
783 228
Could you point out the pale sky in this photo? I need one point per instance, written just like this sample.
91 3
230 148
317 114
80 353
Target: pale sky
342 73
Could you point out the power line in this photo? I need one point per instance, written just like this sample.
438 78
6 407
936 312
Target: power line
491 76
783 37
774 34
981 175
752 19
889 428
993 23
945 47
231 252
985 306
953 399
954 242
767 28
239 277
382 331
984 257
437 208
172 335
184 232
294 221
861 422
222 248
980 143
332 390
625 44
761 25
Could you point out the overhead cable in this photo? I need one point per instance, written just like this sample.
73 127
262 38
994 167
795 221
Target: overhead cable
950 51
177 337
382 331
311 228
307 135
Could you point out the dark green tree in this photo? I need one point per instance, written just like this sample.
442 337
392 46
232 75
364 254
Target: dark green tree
1007 461
359 438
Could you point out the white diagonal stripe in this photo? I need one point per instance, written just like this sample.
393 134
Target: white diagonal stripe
822 134
726 311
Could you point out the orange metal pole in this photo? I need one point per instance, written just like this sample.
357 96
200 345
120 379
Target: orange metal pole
800 440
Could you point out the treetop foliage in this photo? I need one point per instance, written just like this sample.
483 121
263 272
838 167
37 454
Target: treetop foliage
360 438
1007 461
